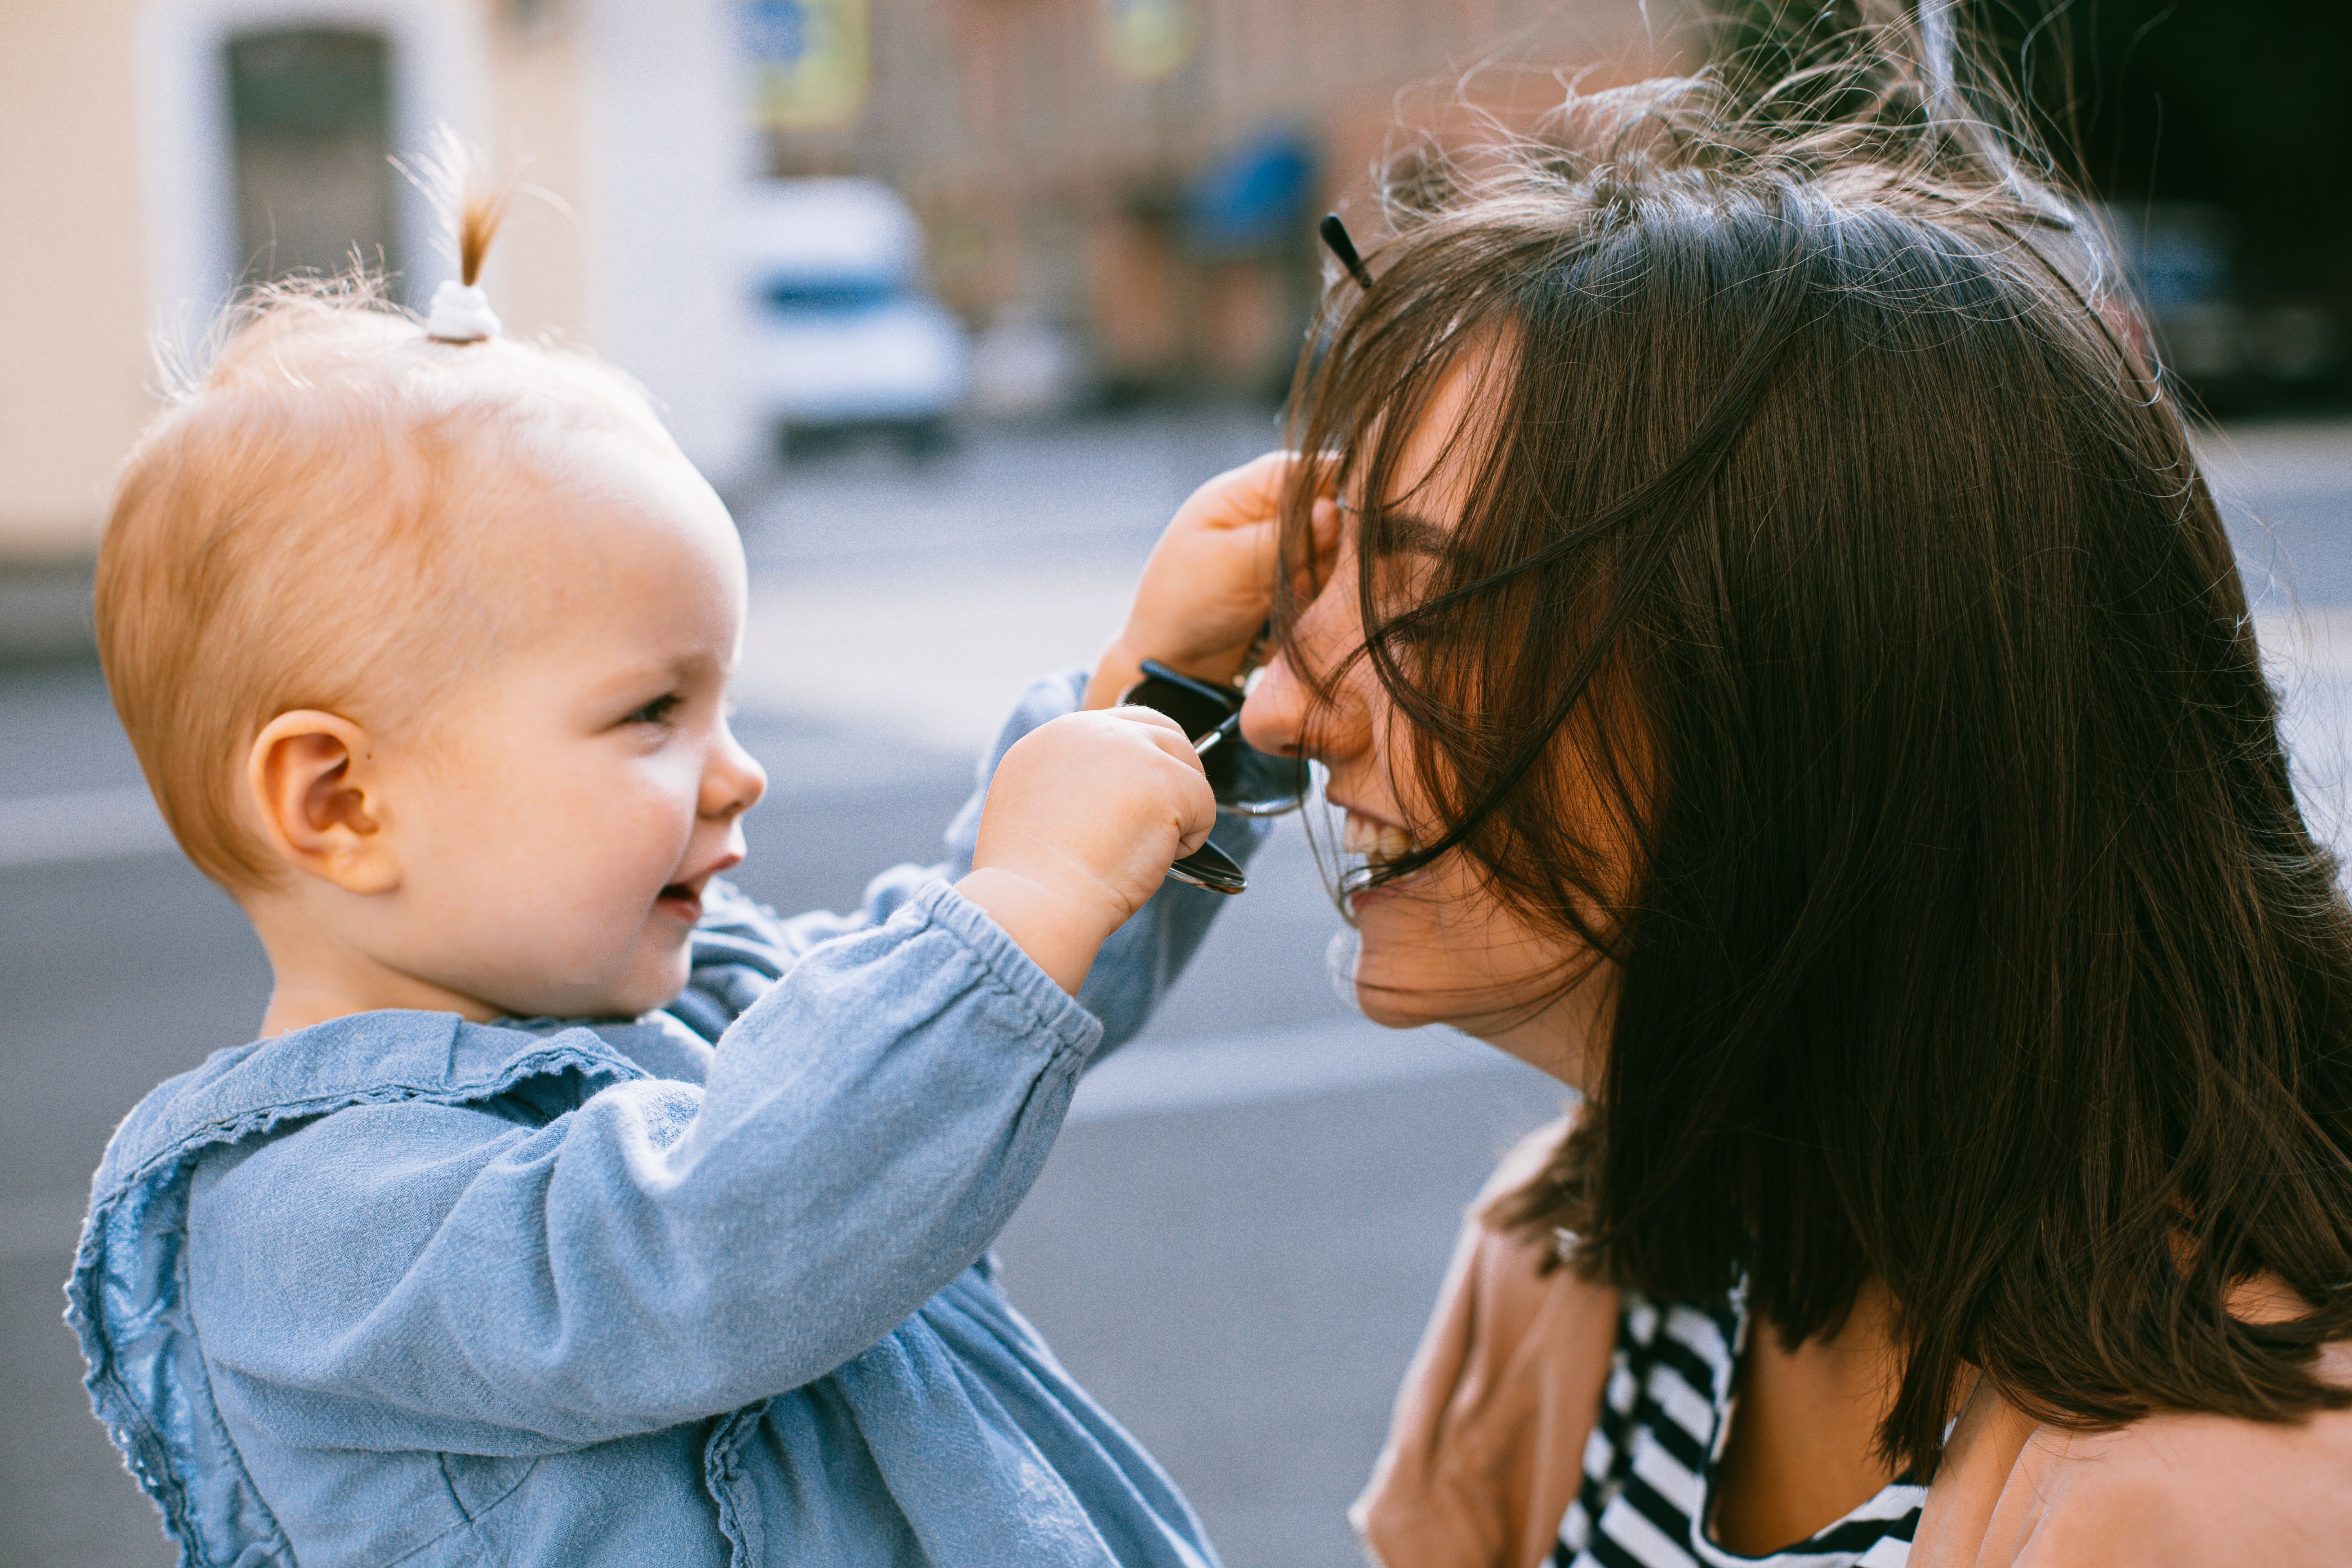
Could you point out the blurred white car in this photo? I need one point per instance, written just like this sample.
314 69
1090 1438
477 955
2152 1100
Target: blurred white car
846 337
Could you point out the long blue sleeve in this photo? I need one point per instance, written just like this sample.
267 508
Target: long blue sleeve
742 948
443 1276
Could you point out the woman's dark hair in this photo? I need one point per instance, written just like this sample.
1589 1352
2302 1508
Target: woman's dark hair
1832 530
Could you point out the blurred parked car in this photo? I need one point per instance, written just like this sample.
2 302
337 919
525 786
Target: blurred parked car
847 339
2181 259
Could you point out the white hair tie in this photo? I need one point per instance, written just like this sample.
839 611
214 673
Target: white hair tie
461 314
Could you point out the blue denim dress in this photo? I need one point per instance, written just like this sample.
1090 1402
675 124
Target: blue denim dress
705 1287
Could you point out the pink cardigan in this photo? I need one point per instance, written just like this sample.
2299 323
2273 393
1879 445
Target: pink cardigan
1486 1448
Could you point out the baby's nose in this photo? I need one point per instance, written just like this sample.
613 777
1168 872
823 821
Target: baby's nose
733 781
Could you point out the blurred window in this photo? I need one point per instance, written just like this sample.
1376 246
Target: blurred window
310 119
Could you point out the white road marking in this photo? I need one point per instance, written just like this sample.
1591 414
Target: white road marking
1169 1078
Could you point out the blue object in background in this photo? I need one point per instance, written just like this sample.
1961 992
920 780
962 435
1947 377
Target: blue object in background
1256 198
774 30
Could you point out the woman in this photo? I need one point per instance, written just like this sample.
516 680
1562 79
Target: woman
1785 676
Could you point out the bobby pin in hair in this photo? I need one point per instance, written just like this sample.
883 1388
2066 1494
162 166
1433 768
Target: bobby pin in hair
1335 234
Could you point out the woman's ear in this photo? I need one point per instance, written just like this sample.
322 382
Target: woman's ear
316 784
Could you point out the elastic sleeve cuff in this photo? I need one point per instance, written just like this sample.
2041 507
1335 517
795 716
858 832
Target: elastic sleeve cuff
1074 1031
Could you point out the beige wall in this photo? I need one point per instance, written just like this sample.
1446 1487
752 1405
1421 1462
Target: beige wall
534 118
73 327
76 368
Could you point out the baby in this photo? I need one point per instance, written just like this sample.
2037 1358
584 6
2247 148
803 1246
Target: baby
423 637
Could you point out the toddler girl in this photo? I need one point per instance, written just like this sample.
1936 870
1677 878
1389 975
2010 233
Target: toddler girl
422 637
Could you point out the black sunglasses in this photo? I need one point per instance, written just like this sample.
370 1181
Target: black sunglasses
1246 781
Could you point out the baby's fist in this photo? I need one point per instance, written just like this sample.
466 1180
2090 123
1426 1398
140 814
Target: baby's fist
1084 817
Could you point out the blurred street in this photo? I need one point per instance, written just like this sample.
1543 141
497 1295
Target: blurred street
1238 1237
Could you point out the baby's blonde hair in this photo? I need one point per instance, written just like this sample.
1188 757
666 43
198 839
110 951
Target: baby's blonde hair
304 528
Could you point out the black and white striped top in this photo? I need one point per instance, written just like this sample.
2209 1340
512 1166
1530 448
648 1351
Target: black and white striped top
1653 1461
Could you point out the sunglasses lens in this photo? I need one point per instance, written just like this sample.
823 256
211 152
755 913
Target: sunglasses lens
1211 868
1259 785
1246 780
1198 706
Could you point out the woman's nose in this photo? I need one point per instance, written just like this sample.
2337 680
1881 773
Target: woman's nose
732 781
1285 716
1273 717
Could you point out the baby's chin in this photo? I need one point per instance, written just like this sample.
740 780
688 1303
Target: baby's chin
653 980
656 984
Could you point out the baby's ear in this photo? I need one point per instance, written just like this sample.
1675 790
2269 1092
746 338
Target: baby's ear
314 783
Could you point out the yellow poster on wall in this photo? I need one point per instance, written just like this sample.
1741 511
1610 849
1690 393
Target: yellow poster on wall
811 61
1147 39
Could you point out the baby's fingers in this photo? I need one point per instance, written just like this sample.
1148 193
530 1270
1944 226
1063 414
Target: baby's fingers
1196 803
1166 733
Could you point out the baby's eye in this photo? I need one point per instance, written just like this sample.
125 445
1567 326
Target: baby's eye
657 711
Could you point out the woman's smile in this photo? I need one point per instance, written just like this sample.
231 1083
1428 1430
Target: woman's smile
1379 844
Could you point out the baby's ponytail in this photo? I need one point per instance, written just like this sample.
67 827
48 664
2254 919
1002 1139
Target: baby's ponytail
471 209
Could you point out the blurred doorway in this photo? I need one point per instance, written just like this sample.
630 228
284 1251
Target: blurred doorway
311 138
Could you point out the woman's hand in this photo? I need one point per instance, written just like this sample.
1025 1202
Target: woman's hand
1210 582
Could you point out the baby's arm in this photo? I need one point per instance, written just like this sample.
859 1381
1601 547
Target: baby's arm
1083 821
463 1278
1144 957
742 949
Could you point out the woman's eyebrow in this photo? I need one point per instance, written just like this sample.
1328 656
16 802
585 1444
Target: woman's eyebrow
1411 535
1406 533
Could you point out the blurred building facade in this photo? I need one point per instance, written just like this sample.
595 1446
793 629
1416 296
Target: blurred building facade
159 152
1141 174
1122 189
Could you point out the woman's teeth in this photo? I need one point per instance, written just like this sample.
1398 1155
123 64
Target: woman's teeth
1375 841
1377 846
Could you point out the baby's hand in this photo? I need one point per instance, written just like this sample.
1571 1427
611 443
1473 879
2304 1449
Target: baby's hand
1209 580
1084 818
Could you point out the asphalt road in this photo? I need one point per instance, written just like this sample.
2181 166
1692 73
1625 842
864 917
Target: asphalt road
1235 1242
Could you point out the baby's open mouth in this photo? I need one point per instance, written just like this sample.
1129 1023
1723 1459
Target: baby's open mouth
684 897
